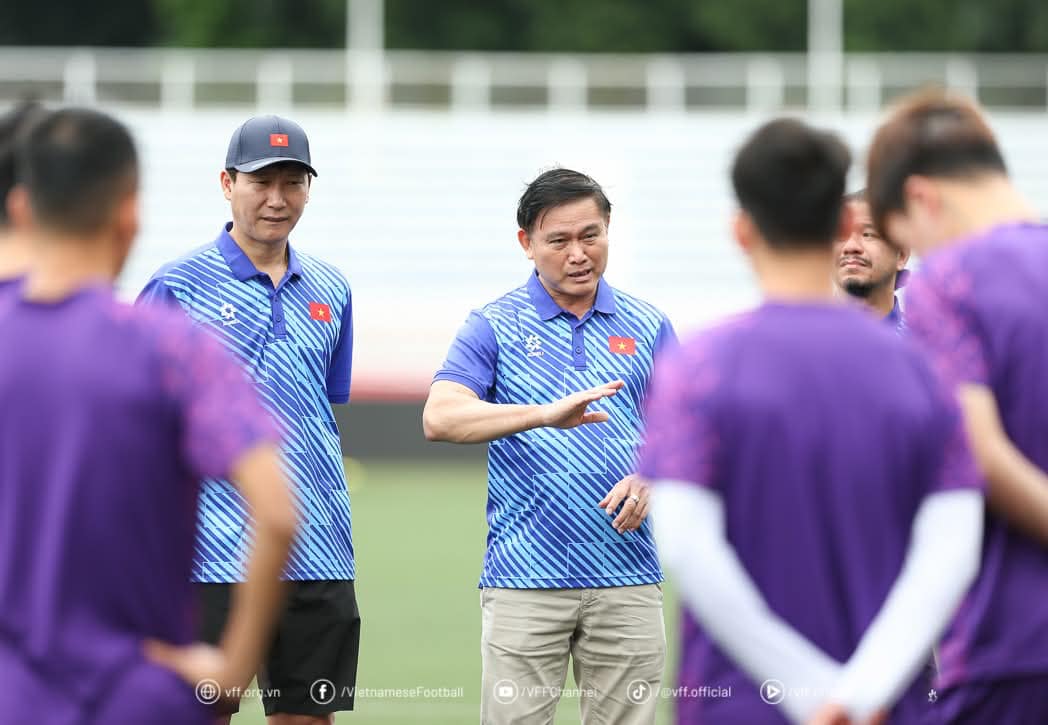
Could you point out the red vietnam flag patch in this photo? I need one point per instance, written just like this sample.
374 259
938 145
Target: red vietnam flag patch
278 139
622 345
319 311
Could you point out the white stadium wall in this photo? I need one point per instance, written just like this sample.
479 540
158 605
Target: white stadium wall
418 210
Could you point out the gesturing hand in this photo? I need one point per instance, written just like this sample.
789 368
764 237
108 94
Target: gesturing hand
570 411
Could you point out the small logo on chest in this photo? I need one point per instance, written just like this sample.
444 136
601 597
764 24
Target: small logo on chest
533 344
622 345
229 314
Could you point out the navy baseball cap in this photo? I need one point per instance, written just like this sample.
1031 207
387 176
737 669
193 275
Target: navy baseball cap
265 140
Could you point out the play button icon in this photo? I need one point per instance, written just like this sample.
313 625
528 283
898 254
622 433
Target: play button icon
773 692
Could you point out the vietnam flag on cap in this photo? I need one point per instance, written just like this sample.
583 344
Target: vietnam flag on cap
319 311
622 345
278 139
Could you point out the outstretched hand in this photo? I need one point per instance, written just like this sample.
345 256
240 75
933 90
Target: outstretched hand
570 411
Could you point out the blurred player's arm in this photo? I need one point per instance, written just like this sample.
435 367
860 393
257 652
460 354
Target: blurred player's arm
1017 489
227 434
940 565
456 414
256 603
689 529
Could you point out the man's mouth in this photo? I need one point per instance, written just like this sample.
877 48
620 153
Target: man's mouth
854 262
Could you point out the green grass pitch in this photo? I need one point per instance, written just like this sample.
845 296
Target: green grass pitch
418 531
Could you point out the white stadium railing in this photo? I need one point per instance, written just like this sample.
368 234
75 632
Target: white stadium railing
369 80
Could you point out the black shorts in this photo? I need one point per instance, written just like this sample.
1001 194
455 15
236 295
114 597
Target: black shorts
312 660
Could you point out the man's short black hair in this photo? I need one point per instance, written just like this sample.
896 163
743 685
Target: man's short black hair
76 165
553 188
790 177
13 127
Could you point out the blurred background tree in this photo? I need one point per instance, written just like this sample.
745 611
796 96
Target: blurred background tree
534 25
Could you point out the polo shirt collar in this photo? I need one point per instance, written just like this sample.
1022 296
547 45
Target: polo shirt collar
547 307
242 267
895 316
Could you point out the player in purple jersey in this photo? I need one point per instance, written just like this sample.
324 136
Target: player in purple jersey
815 499
111 416
938 183
868 267
14 248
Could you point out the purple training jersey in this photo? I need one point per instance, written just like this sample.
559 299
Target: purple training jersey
110 417
822 431
981 309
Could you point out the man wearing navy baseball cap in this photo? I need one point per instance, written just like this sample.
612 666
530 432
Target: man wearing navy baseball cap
287 318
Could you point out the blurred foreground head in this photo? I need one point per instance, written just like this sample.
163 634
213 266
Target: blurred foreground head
13 126
789 181
79 170
925 161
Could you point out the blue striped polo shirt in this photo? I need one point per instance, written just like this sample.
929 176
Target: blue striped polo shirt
295 342
545 529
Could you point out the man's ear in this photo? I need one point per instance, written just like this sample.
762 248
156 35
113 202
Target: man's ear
744 231
124 226
226 182
904 257
19 210
921 192
525 243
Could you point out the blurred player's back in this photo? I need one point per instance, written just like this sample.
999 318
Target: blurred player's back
824 422
97 507
810 470
997 284
111 415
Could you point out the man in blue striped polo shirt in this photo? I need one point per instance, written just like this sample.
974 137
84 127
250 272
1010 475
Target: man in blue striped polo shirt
552 375
286 316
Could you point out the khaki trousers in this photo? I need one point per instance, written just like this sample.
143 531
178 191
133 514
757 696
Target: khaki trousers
615 638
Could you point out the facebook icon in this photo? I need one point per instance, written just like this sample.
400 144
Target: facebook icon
322 691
